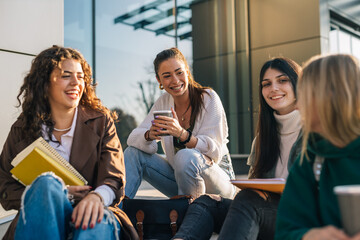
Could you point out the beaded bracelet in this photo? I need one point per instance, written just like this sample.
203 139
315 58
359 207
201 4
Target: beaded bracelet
188 138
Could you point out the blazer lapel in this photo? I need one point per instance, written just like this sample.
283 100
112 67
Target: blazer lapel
85 140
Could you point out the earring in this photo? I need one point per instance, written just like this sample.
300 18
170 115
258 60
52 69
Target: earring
161 86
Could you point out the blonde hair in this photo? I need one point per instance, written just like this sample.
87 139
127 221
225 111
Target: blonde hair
330 87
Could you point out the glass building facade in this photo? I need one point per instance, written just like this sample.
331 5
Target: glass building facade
120 39
224 41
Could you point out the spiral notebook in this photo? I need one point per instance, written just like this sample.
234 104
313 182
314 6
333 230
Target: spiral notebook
40 157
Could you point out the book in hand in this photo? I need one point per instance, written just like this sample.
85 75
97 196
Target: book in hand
267 184
40 157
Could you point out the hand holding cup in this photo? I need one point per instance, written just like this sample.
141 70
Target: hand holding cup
165 123
349 204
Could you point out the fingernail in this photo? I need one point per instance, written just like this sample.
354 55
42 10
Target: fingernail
77 227
72 220
99 220
90 187
156 116
84 227
91 225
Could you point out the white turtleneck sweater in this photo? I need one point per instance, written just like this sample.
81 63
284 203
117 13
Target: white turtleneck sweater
289 129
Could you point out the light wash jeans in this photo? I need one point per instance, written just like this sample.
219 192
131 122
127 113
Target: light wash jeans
46 214
192 175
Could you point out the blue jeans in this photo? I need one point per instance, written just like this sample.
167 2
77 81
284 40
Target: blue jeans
191 175
248 216
45 213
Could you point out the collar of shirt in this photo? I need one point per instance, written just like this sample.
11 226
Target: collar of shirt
64 149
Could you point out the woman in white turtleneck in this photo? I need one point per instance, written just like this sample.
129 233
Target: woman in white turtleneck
252 213
289 126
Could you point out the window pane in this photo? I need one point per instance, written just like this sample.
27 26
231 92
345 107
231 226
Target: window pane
78 27
356 47
344 42
333 41
125 51
129 34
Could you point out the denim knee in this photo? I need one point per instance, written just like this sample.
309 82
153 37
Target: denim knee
48 181
188 161
129 152
108 228
206 201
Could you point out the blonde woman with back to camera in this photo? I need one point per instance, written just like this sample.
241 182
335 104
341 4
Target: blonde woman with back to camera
329 103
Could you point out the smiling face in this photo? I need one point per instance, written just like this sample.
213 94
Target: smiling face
173 75
66 85
278 91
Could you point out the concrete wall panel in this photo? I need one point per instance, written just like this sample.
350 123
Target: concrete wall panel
12 79
279 21
31 26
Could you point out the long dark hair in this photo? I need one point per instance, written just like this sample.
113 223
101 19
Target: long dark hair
34 91
267 144
196 91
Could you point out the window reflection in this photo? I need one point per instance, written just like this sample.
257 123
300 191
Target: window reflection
341 41
126 48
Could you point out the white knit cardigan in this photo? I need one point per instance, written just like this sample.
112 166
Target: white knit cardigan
210 129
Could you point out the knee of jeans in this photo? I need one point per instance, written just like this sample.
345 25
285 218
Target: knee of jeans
129 152
206 201
246 197
48 181
187 160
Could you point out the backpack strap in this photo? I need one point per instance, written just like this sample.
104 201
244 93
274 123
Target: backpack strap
173 218
139 225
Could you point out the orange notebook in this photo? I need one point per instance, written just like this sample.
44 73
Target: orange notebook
268 184
40 157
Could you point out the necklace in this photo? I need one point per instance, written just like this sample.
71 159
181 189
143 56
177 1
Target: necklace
62 130
183 116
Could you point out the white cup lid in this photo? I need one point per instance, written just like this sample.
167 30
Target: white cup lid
162 111
344 189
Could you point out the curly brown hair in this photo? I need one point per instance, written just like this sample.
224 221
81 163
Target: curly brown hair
34 91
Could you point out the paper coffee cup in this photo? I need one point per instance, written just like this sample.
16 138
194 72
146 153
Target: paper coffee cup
349 203
166 113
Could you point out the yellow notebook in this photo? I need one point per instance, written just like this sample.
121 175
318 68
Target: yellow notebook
267 184
40 157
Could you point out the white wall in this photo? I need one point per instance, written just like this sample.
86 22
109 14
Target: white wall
26 28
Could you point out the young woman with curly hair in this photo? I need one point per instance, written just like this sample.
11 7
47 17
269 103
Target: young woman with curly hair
59 104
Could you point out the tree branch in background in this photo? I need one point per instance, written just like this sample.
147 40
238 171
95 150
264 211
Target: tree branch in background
149 93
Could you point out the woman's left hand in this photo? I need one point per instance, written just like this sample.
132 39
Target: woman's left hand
90 208
169 125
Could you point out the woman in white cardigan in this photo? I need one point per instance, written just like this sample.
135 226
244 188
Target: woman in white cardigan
197 158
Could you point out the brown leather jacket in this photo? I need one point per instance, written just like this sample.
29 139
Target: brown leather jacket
96 153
